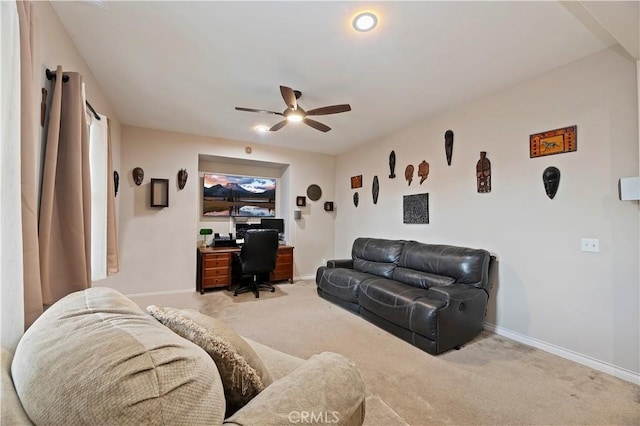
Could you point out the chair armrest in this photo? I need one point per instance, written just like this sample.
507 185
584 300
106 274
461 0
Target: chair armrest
328 388
340 263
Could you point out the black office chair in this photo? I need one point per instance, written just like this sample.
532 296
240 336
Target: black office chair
258 257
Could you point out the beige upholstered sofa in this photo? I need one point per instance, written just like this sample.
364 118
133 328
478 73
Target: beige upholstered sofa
96 358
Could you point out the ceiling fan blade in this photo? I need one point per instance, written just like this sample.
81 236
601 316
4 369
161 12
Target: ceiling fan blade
316 125
333 109
263 111
278 126
289 97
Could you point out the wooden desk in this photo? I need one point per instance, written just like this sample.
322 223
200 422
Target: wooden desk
215 267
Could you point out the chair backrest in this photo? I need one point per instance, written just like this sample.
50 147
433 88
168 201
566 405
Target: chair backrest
258 253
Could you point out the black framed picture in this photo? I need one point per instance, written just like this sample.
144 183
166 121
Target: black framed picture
301 201
159 192
416 208
328 206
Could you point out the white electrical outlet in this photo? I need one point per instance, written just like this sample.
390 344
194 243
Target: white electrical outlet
590 244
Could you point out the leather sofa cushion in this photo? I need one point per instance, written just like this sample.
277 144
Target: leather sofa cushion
341 283
376 268
464 265
396 302
377 250
95 357
421 279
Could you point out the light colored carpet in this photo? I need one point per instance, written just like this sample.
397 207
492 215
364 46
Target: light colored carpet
380 414
491 380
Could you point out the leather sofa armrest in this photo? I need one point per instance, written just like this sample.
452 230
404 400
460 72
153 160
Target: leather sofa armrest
328 388
455 292
340 263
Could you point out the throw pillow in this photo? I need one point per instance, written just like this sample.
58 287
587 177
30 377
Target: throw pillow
243 373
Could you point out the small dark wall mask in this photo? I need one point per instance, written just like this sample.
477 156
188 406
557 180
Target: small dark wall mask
392 165
138 175
182 178
356 199
551 180
448 145
375 189
408 173
116 182
423 171
483 173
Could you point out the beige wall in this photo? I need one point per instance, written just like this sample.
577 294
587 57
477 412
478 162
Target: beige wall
548 290
158 246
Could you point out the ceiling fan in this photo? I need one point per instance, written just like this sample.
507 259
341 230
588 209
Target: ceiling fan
295 113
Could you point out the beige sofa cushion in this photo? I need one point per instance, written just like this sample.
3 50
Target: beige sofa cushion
327 389
95 358
279 364
11 409
243 373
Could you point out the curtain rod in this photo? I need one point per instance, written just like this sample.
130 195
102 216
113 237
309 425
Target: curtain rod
51 75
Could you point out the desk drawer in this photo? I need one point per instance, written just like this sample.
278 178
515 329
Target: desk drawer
216 272
217 260
281 275
219 281
283 267
286 258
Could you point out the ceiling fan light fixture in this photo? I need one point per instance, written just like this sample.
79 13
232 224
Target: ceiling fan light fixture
261 128
365 21
295 117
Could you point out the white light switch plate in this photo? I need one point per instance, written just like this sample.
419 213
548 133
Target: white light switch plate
590 244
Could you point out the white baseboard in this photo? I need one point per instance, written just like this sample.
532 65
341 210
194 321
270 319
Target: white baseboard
306 278
602 366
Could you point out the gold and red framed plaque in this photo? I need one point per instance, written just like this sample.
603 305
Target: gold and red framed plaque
552 142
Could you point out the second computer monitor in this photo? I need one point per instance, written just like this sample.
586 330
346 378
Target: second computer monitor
272 223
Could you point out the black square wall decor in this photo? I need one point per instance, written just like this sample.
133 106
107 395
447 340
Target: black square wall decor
415 208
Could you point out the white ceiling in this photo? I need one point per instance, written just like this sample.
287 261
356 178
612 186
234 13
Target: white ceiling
184 66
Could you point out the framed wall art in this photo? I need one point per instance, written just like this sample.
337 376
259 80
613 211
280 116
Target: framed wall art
301 201
238 196
551 142
415 209
356 181
159 192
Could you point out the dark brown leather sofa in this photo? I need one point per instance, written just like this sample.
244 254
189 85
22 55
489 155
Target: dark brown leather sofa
433 296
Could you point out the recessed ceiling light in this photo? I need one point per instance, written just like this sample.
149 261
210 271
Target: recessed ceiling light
365 21
261 128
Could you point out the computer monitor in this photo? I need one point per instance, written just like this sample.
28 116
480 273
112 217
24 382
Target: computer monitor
242 228
272 223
